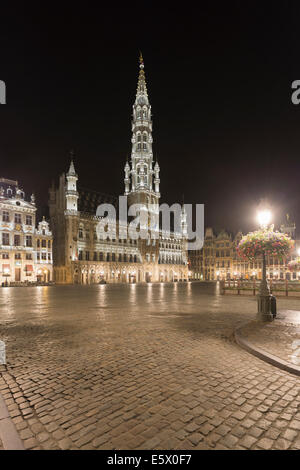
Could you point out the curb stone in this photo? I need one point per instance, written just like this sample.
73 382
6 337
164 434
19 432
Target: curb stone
8 433
262 354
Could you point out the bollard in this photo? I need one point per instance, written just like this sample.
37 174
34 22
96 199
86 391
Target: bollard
273 306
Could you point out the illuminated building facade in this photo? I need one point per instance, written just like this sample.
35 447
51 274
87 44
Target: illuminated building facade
81 255
25 251
218 259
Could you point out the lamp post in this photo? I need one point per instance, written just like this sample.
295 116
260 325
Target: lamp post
6 273
264 297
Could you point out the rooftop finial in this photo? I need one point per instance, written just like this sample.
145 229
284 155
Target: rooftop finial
72 168
141 60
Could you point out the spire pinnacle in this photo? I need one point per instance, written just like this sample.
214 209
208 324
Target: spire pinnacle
72 168
141 60
142 88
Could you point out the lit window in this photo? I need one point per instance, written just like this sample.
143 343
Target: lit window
5 216
17 240
18 219
5 238
28 240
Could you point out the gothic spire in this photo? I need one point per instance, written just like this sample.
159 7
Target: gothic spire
72 171
140 176
141 93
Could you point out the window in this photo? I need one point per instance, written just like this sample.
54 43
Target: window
5 256
5 238
95 256
113 257
125 257
80 255
18 256
49 243
28 240
49 256
101 256
17 240
18 219
87 255
44 243
38 243
28 220
28 256
108 257
80 234
120 257
5 216
44 256
38 256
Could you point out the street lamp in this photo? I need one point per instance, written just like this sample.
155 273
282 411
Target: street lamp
264 298
6 273
264 218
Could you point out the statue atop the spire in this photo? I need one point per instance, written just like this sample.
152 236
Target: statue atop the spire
141 61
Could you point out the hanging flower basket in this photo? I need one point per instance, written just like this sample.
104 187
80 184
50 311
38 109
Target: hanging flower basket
294 265
254 244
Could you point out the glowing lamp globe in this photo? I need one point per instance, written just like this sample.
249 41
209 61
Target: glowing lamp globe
264 218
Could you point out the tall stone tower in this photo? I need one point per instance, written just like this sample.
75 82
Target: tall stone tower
71 190
71 215
141 175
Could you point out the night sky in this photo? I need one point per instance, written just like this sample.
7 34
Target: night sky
219 80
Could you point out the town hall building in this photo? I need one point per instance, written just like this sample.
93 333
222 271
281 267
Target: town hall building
81 256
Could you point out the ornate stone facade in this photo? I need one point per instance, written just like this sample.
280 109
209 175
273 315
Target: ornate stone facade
25 251
218 259
81 255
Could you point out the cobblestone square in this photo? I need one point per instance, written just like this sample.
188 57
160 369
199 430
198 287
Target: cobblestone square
140 367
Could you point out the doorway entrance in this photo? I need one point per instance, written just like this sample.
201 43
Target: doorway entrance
17 274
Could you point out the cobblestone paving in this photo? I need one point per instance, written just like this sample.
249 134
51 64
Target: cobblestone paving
280 337
140 367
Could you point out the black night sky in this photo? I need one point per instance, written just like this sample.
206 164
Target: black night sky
219 80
